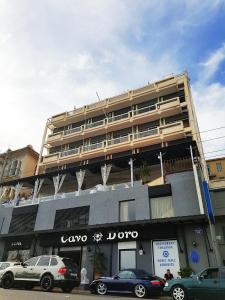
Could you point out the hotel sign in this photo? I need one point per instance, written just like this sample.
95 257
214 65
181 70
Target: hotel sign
97 237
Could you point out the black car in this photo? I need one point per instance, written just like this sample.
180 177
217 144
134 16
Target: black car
129 281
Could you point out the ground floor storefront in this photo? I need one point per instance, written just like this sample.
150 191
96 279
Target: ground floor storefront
153 247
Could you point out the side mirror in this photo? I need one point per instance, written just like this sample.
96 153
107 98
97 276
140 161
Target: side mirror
116 277
201 277
23 264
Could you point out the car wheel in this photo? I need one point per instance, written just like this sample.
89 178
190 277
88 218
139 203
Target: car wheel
67 289
47 283
101 288
7 281
179 293
140 291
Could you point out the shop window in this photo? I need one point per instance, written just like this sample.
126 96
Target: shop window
127 211
54 262
18 255
162 207
127 259
219 167
32 261
43 261
71 217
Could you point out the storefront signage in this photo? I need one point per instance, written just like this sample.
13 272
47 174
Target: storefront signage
20 243
99 237
166 257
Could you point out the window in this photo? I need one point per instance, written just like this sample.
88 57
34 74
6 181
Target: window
127 259
209 170
44 261
162 207
218 167
126 275
54 262
210 274
22 222
32 261
127 211
71 217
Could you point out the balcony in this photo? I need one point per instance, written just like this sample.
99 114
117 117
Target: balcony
69 152
72 130
118 118
94 124
168 132
145 109
54 138
170 107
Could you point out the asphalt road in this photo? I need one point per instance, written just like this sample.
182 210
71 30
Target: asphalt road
14 294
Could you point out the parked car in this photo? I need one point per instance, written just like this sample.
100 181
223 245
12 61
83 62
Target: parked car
48 271
207 285
130 281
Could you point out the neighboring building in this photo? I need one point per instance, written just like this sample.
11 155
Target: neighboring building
216 171
122 176
16 164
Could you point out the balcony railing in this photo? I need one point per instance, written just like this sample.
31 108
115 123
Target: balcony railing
144 109
72 130
118 140
69 152
95 124
90 147
145 133
119 117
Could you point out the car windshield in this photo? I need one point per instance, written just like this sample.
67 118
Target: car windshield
72 268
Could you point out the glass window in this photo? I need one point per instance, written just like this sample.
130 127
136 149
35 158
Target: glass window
32 261
127 259
219 167
208 168
162 207
222 273
127 211
54 262
126 275
44 261
211 274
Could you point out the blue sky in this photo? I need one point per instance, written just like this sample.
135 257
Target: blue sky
55 54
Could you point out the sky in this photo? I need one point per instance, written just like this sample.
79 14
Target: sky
55 54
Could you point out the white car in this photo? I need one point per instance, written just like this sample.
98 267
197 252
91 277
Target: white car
47 271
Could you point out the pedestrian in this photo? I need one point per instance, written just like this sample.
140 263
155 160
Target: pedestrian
168 276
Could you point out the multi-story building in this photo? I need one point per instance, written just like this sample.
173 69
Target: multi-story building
216 171
121 176
15 164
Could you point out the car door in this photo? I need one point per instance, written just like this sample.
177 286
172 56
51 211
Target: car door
120 282
222 284
208 284
25 270
41 267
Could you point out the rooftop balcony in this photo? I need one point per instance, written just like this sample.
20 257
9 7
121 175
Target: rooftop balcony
139 116
168 132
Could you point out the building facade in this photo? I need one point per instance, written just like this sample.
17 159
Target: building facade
123 177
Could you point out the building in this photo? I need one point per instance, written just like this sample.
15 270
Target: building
121 176
216 170
15 164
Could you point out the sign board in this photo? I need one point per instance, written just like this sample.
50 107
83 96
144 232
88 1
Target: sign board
166 256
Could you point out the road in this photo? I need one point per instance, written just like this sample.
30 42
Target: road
57 295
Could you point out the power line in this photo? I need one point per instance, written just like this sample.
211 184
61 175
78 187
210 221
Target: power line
216 138
215 156
215 151
217 128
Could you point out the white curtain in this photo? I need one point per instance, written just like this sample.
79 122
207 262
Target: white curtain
17 191
105 170
58 181
162 207
80 179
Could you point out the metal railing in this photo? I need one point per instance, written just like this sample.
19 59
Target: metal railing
95 124
93 146
117 118
144 109
69 152
72 130
149 132
118 140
